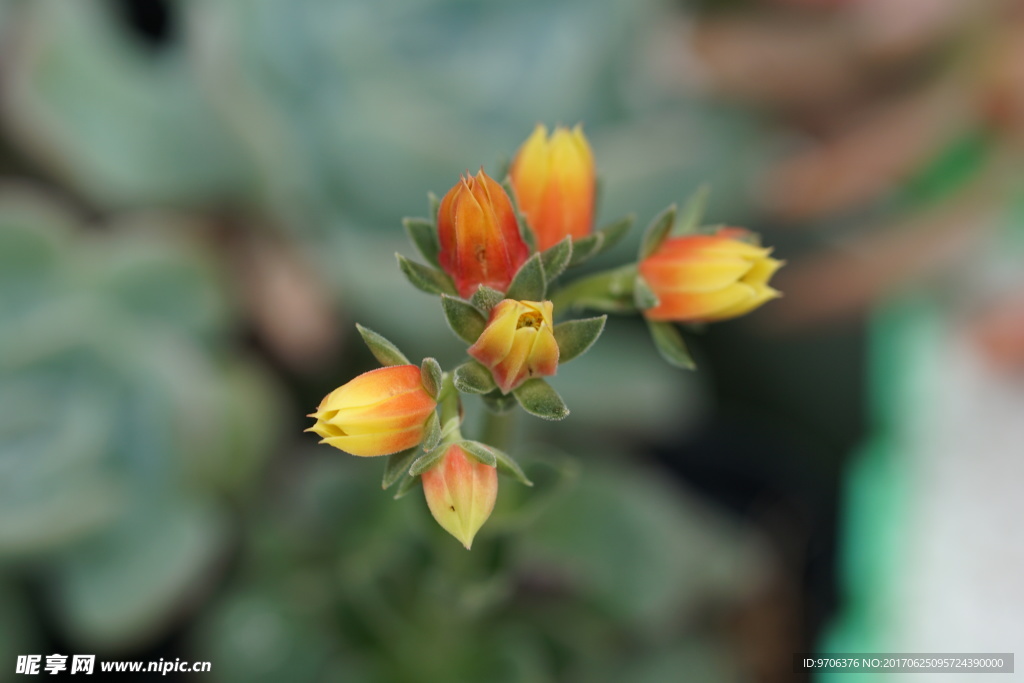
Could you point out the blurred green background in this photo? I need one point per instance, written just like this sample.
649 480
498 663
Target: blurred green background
199 199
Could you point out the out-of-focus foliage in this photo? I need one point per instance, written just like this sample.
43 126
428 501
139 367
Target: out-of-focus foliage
136 413
125 421
587 577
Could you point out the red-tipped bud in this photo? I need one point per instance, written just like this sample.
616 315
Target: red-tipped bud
479 235
460 493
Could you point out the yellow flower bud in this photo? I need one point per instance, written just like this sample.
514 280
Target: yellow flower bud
460 493
707 278
380 412
518 343
555 181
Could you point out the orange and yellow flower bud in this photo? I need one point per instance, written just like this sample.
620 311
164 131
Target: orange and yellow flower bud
518 343
479 235
555 182
378 413
460 493
707 278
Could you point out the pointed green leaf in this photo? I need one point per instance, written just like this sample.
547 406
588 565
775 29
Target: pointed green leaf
643 295
575 337
585 248
509 466
524 229
539 398
693 212
430 373
529 283
398 465
486 298
383 350
423 234
556 259
670 345
425 278
657 231
465 320
432 436
434 204
615 231
407 484
473 378
427 460
480 452
499 403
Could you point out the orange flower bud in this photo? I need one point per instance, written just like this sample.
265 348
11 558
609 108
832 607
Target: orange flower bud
555 183
706 278
479 235
518 343
460 493
379 412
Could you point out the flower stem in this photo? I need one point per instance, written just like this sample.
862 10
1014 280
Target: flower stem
610 291
497 429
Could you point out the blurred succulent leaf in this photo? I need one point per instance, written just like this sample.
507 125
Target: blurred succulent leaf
405 485
529 283
669 342
556 259
433 434
657 232
430 374
480 452
425 278
427 460
539 398
398 464
575 337
643 296
499 403
465 320
423 233
485 298
124 585
383 350
473 378
693 212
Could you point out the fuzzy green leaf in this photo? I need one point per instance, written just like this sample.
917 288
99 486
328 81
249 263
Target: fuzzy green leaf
670 345
425 278
434 204
643 296
657 231
480 452
556 259
465 320
473 378
499 403
383 350
432 436
509 466
486 298
398 465
575 337
407 484
423 234
585 248
427 460
539 398
529 283
430 373
693 212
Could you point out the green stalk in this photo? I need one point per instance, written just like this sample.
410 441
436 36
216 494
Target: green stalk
610 291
